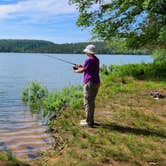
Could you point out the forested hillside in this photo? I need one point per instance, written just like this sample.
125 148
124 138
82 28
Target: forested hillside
22 45
41 46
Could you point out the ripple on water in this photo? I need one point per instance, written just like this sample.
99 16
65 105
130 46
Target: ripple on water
23 133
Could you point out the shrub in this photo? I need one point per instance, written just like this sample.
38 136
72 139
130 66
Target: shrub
154 70
57 101
34 94
38 98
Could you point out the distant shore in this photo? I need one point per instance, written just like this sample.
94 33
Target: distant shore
41 46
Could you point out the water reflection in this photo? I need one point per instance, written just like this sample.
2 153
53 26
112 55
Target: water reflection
23 133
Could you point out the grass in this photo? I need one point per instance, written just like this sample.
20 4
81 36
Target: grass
131 131
6 159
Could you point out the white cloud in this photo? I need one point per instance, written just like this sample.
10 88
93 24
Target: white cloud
36 9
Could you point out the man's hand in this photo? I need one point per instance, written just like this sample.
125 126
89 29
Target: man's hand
73 70
75 67
79 70
79 65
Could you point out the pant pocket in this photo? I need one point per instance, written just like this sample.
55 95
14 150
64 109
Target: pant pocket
86 88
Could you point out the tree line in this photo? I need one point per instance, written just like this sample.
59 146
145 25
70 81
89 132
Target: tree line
41 46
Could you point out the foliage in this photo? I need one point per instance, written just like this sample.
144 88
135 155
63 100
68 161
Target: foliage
37 46
22 45
159 55
25 95
155 70
58 101
140 22
7 159
38 98
34 95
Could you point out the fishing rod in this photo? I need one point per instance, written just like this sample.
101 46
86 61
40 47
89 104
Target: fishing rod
63 60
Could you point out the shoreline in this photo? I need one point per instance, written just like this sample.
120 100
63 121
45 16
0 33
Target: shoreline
131 124
75 53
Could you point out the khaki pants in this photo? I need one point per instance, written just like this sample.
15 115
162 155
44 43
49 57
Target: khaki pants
90 92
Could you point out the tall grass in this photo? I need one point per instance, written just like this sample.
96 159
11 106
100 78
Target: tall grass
51 103
155 70
34 94
7 159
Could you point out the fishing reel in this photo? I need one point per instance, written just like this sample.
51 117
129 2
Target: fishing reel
75 67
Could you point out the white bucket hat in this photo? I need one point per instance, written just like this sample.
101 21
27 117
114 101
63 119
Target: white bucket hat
90 49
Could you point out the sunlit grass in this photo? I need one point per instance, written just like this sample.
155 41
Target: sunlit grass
131 124
128 134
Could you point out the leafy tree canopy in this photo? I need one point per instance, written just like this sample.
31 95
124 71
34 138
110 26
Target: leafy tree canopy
139 23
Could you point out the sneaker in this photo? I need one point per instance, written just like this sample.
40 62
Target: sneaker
83 123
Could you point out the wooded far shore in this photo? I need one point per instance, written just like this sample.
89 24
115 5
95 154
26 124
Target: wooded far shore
42 46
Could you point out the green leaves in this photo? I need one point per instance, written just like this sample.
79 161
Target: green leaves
160 55
39 99
162 36
153 70
141 21
84 19
57 101
34 94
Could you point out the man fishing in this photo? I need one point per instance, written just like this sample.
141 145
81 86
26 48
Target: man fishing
91 82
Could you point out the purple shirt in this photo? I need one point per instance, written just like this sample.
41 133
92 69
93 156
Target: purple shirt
91 72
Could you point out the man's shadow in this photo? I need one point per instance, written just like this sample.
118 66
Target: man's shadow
126 129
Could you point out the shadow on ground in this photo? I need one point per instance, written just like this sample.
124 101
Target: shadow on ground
126 129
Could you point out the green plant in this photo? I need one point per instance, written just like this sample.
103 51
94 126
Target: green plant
59 100
154 70
34 95
38 98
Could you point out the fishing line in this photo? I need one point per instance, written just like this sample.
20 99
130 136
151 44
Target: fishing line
63 60
60 59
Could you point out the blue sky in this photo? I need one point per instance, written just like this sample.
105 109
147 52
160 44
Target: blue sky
52 20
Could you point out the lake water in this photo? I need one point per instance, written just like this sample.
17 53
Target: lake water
21 131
